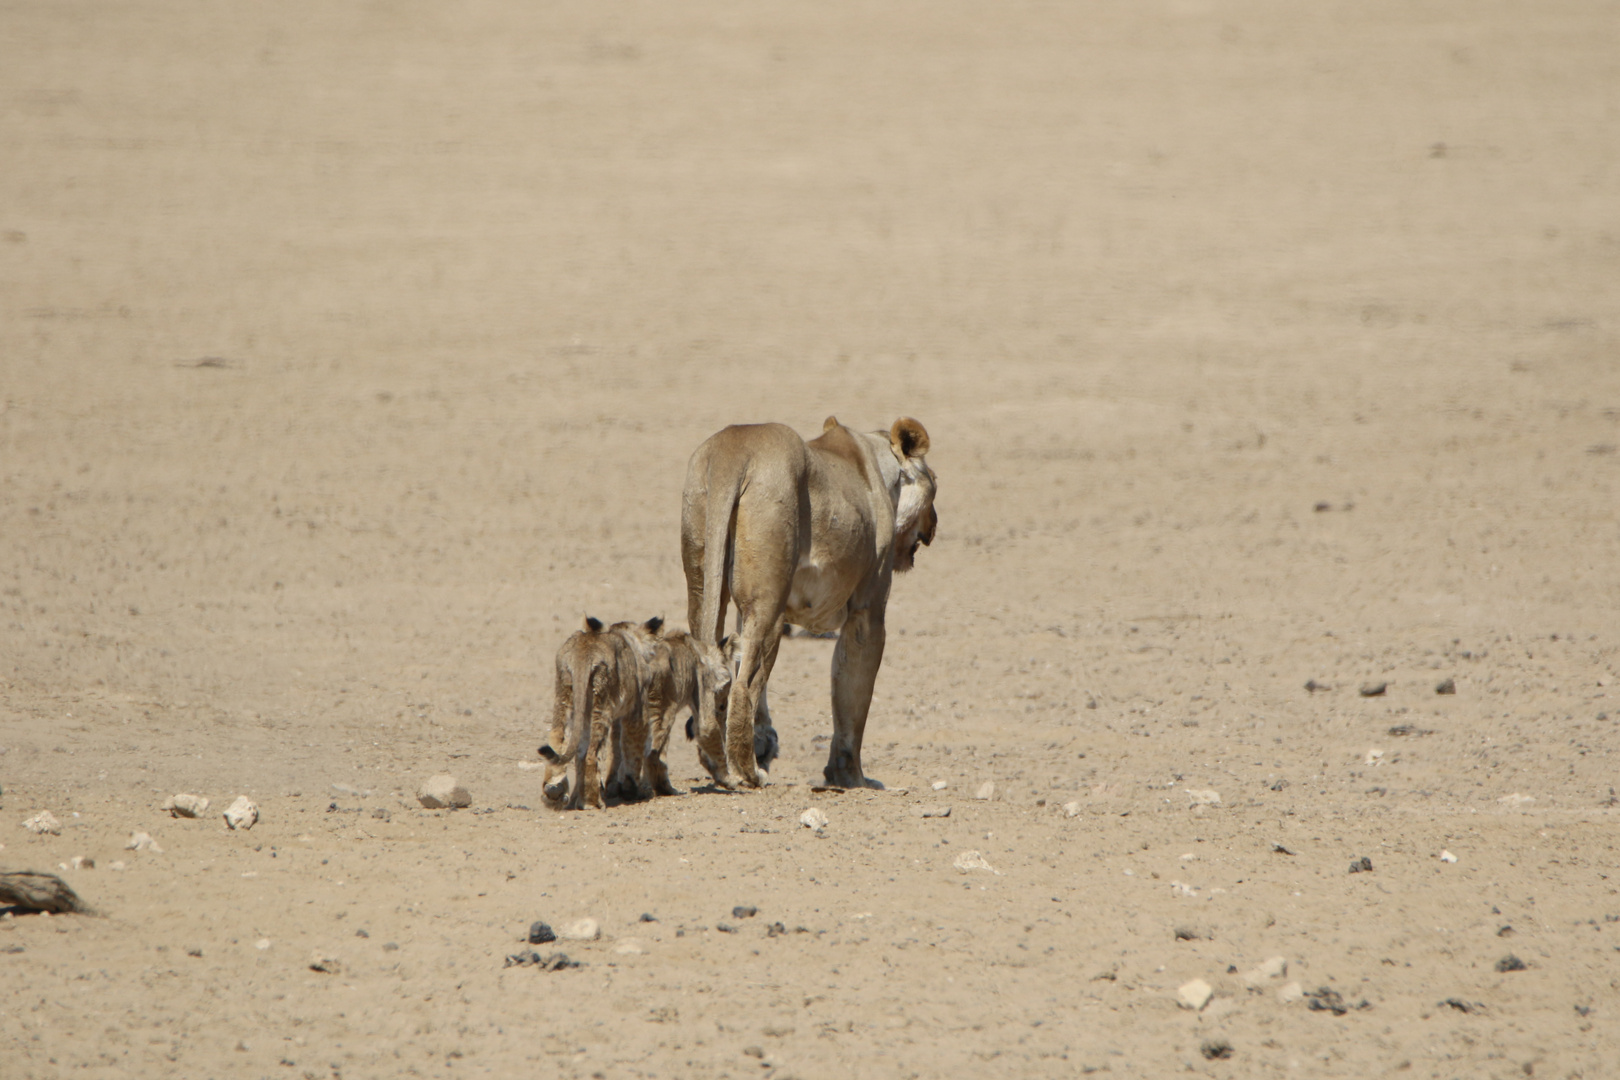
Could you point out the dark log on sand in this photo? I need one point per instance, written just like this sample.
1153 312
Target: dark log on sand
40 892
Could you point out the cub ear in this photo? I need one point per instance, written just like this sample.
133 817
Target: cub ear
653 624
829 423
909 438
593 625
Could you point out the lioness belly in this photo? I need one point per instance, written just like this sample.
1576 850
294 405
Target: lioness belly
815 601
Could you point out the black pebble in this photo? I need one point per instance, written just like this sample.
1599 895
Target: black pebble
361 933
1216 1048
1362 865
540 933
776 929
725 928
1510 963
1374 689
646 916
743 911
1447 687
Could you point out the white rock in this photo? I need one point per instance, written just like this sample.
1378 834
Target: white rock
972 860
1071 809
1195 995
941 785
116 864
1272 968
1373 757
189 806
1446 856
139 841
1178 888
1289 993
242 814
1516 800
42 823
442 792
987 790
629 947
1204 798
813 818
262 944
83 862
579 930
935 811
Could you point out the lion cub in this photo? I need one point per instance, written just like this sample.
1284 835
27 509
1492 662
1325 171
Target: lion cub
598 699
675 670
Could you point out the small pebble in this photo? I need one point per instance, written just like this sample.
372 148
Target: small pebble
1446 856
186 806
1273 967
813 818
540 933
1071 809
725 928
628 947
43 823
1204 798
972 860
1510 963
580 930
1362 865
83 862
744 911
443 792
987 790
1449 686
326 965
262 944
940 785
140 841
1195 995
647 917
936 811
1289 993
242 813
1373 689
1216 1048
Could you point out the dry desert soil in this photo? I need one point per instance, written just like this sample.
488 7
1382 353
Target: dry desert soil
351 353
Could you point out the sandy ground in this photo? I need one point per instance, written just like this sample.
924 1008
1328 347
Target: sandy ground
349 354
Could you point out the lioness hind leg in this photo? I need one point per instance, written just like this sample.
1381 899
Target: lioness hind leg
755 659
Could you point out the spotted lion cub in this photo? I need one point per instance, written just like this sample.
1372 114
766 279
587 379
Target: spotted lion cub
675 670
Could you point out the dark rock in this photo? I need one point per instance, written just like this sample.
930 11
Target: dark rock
648 917
1464 1006
362 933
1449 686
1327 999
32 891
540 933
1362 865
744 911
775 929
1506 931
1510 963
1187 933
1373 689
1280 850
725 928
1312 686
1216 1048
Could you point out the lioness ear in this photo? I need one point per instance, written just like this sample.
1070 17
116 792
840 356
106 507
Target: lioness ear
829 423
652 625
593 625
908 438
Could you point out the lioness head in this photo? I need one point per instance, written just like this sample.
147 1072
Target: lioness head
915 519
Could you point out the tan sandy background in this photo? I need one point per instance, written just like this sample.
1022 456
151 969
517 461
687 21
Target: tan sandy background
349 354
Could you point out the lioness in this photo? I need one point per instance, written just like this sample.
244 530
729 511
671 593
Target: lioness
674 670
598 696
807 533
